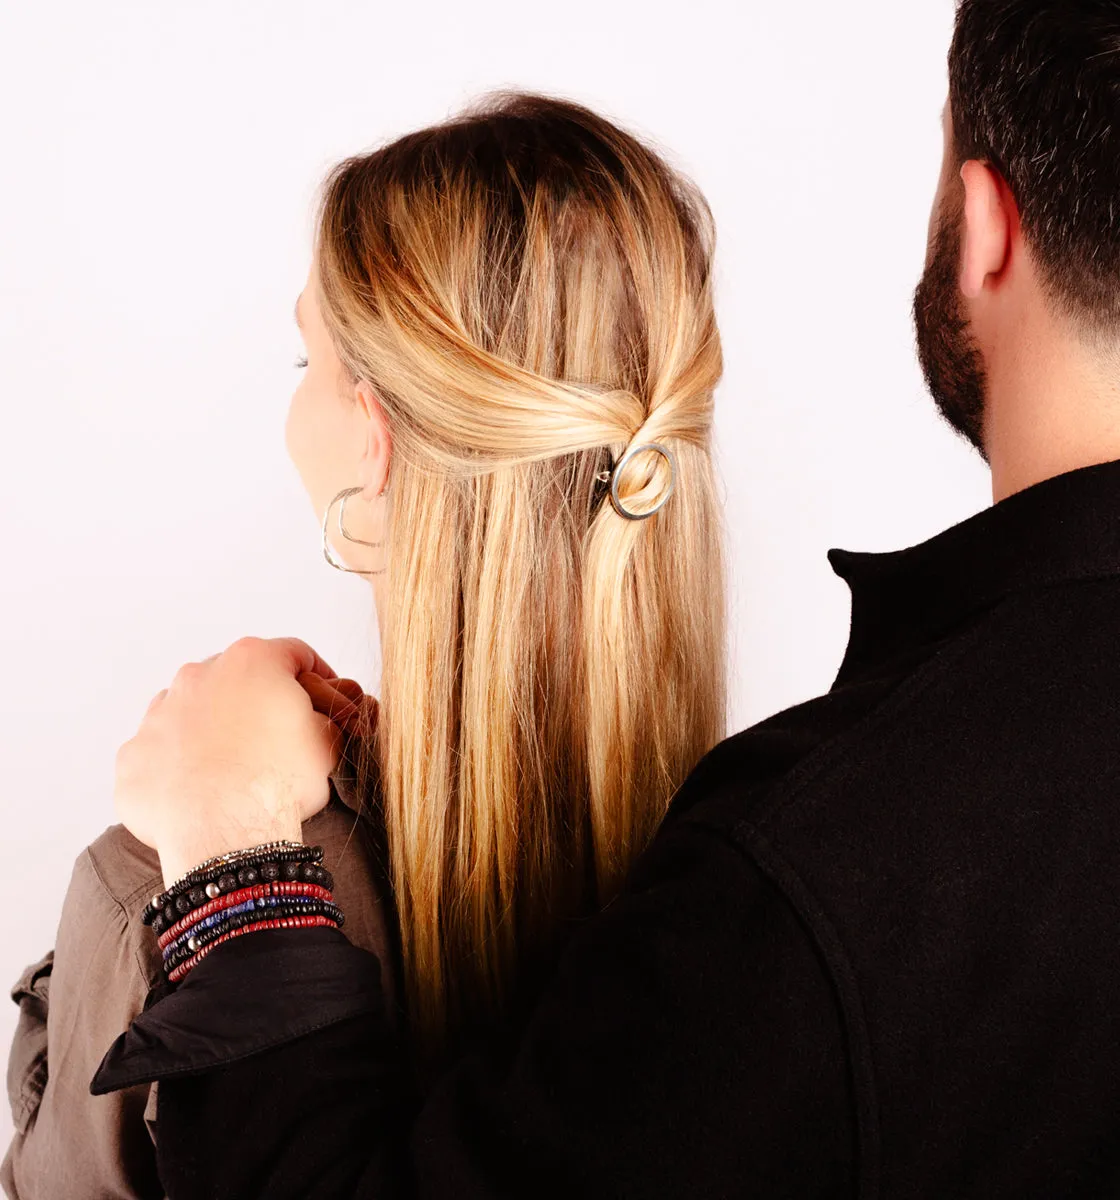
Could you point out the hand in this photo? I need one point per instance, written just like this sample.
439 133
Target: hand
342 700
236 752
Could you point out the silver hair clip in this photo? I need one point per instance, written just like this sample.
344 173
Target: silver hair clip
612 477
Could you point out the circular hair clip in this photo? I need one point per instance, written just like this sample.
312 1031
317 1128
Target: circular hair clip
620 466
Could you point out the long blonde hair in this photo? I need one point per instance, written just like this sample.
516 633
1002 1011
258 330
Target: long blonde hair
527 288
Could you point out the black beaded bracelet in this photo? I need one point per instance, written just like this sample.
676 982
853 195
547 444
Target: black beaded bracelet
213 877
233 858
247 876
290 907
223 864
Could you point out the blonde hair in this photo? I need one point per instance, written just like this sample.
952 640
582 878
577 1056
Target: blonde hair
527 289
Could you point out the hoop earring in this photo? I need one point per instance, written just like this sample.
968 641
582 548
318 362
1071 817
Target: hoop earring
344 495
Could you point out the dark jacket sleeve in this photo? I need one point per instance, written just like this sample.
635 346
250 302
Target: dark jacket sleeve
689 1044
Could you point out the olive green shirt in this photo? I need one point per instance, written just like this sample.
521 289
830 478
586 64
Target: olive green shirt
81 995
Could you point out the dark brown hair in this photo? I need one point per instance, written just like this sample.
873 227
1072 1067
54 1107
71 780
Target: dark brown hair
1035 91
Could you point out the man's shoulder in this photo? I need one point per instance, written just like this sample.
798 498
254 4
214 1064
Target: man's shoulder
1026 670
989 730
747 774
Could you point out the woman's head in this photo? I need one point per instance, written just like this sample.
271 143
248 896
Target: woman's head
508 302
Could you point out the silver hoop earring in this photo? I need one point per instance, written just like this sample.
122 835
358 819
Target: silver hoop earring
343 496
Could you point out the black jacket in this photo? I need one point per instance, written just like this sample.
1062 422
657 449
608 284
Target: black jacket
874 951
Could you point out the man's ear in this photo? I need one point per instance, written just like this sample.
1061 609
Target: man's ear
989 218
377 451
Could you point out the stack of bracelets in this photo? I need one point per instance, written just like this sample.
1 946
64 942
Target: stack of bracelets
278 885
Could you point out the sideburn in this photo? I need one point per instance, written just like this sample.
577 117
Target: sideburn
950 358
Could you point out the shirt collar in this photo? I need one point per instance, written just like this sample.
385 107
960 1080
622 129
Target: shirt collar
1064 529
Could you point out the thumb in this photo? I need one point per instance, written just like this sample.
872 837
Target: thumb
328 741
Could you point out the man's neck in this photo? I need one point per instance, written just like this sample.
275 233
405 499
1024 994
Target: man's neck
1052 407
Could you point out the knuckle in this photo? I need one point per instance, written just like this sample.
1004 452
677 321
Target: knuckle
124 760
188 672
246 646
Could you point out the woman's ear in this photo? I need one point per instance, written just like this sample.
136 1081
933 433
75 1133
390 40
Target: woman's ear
373 470
989 217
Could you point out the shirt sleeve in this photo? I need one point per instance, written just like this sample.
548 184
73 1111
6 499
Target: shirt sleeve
689 1044
67 1142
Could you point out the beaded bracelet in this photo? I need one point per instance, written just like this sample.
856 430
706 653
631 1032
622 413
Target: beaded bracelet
300 875
259 892
230 856
284 855
285 909
197 929
213 867
276 885
281 854
179 972
257 869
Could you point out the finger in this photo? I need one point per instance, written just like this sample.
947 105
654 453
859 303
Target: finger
332 744
351 689
328 699
298 656
367 716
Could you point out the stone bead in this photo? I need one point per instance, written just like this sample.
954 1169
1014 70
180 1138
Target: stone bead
291 870
227 882
183 905
197 896
247 876
270 872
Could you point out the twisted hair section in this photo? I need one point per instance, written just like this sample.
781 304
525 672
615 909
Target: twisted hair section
528 290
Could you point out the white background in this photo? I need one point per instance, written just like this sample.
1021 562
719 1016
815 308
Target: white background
157 169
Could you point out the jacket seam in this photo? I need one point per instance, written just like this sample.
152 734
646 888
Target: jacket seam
777 868
752 845
749 836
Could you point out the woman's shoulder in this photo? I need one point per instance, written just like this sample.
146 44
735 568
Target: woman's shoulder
121 868
117 871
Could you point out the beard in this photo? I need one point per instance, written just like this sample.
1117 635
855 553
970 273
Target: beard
951 360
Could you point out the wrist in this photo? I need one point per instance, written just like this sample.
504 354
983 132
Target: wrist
281 884
180 855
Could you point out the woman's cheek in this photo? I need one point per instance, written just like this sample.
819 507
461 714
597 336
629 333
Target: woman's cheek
292 428
302 435
317 436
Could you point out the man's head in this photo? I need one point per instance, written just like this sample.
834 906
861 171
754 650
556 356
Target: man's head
1027 215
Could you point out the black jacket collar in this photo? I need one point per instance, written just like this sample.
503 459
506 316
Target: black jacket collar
1064 529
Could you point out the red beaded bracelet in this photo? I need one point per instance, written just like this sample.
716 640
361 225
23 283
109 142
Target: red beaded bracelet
256 892
276 923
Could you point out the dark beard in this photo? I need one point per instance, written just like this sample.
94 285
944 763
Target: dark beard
951 360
